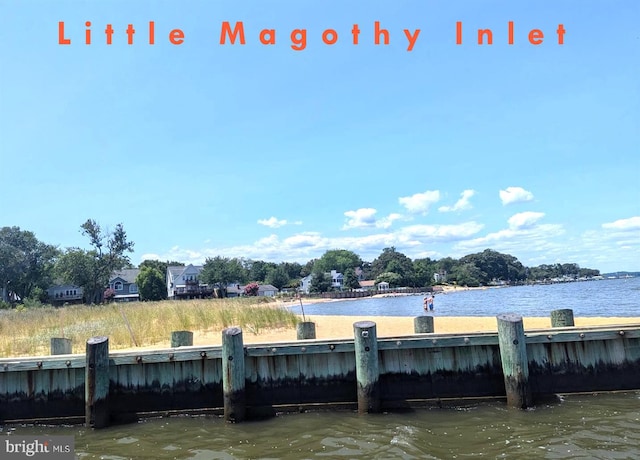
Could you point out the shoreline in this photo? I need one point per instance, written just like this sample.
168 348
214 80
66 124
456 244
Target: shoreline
337 327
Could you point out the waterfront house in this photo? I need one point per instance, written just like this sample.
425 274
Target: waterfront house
184 283
267 290
124 285
337 279
367 285
61 294
305 284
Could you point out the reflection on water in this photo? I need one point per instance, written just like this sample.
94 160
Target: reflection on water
576 426
620 297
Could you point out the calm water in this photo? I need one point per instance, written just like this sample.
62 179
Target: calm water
620 297
604 426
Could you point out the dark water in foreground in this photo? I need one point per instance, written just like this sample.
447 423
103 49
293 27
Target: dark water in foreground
604 426
619 297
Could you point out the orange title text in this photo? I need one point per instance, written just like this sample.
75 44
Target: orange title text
235 34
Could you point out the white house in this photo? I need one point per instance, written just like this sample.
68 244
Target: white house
383 286
337 279
305 284
184 283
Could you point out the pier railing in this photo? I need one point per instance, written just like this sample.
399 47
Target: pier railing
366 373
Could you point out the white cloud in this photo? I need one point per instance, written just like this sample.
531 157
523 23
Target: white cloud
524 220
420 202
632 223
515 195
363 217
386 222
439 233
460 205
272 222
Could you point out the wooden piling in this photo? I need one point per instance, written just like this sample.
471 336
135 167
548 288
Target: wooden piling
96 387
181 339
367 368
60 346
562 318
233 375
423 324
306 330
515 364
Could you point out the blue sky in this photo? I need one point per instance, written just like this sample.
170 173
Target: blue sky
263 152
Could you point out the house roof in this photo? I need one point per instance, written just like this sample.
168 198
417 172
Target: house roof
177 270
368 283
128 274
266 287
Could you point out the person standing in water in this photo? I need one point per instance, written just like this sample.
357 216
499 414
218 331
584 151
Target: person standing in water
428 303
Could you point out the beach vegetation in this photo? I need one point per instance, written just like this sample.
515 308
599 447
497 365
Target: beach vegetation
28 331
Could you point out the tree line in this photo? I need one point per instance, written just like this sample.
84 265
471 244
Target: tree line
28 267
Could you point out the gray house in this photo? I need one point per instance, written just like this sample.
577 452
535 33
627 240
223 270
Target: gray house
123 282
61 294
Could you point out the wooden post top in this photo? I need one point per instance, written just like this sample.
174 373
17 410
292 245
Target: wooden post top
234 330
364 324
97 340
512 317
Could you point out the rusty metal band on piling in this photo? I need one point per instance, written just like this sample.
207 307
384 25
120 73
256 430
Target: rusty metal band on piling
181 339
367 367
515 364
60 346
423 324
96 383
233 375
306 330
562 318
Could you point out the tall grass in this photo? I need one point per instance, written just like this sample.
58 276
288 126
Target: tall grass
27 332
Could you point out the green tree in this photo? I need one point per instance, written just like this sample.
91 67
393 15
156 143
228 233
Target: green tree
151 284
292 269
468 274
257 270
277 277
350 279
392 278
307 268
395 262
159 265
319 283
91 269
222 271
423 270
337 259
26 264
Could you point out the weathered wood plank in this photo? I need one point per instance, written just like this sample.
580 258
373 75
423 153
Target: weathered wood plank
96 393
515 364
367 369
233 375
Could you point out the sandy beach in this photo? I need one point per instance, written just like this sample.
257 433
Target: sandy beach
334 327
